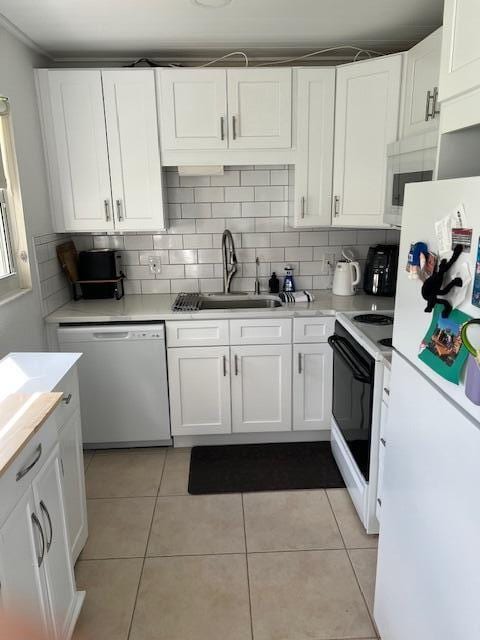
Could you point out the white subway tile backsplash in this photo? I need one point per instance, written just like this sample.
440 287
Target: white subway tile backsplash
199 271
269 194
197 210
210 225
209 194
225 209
211 285
253 178
155 286
209 256
251 201
160 255
168 242
186 285
313 238
229 179
141 272
270 225
270 255
256 209
138 242
197 241
298 254
239 194
171 271
256 240
287 239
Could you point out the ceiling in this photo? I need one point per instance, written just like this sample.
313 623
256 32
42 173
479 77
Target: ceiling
132 28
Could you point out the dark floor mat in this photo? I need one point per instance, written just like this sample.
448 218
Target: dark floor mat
263 467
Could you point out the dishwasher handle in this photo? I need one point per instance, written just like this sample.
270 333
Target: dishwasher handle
115 335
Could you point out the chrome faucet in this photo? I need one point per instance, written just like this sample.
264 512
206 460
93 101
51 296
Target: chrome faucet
229 258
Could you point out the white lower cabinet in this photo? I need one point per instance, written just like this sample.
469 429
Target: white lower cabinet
261 388
24 591
36 571
71 451
312 386
199 386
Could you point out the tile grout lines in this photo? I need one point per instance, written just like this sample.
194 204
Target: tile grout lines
353 568
248 571
146 548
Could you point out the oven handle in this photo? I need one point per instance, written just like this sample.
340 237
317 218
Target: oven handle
335 342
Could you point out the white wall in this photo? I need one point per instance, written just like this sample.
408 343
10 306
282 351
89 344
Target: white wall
21 324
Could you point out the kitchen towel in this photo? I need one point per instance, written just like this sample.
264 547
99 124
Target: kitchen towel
296 296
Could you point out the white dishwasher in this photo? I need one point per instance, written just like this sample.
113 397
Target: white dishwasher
123 383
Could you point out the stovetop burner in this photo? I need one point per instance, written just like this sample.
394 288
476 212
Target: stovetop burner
386 342
373 318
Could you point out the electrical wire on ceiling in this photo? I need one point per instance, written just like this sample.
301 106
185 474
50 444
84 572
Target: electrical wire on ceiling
359 51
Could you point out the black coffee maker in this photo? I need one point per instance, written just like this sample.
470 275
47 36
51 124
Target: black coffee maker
380 275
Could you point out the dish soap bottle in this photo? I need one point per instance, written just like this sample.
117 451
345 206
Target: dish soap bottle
288 281
274 283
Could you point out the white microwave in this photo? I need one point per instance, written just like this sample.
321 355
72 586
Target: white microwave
408 160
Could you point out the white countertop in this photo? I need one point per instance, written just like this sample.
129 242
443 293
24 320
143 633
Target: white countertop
28 373
146 308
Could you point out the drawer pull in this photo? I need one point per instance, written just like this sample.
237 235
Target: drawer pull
37 524
379 501
67 399
383 441
49 520
386 390
24 470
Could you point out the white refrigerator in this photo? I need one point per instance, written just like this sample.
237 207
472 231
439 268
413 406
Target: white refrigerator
428 575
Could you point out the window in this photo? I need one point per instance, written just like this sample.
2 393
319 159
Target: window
14 266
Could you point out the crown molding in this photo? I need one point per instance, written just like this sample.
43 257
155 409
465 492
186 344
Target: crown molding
20 35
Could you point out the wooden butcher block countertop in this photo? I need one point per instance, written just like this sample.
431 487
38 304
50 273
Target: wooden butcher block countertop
21 416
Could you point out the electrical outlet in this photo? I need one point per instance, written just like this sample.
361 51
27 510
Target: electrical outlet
155 264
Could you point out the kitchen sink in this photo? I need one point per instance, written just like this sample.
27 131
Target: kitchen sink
238 302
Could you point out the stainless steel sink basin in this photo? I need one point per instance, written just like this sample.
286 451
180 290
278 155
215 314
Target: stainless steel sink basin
238 302
205 302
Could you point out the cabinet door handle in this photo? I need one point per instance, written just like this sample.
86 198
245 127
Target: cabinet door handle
234 127
236 364
24 470
383 441
386 390
336 206
299 363
428 113
36 523
49 520
435 109
119 210
302 206
67 399
106 205
224 365
222 128
379 501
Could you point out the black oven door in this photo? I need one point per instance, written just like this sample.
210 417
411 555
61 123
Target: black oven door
353 374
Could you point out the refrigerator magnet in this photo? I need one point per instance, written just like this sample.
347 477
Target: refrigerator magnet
442 349
463 237
476 281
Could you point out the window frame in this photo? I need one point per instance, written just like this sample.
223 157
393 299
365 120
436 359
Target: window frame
12 217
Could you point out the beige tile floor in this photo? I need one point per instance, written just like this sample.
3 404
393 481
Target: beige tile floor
162 565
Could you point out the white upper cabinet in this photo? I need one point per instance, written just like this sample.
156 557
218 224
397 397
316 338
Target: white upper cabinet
315 112
76 147
134 151
225 109
460 63
366 120
260 108
420 86
193 108
102 149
